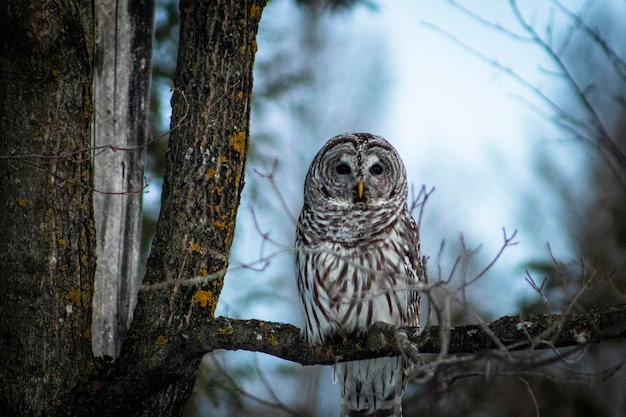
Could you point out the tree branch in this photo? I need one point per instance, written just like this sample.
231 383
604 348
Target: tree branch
539 331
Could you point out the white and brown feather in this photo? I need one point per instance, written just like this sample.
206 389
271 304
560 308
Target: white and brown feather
358 262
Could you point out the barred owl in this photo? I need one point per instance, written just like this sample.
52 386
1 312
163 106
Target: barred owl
357 261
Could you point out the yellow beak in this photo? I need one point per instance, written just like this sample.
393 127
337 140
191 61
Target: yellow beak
359 189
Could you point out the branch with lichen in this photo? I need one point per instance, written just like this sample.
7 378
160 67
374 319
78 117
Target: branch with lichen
515 333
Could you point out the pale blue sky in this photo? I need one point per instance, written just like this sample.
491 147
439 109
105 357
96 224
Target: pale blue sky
456 125
455 121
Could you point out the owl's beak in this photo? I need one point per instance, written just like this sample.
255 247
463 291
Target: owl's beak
359 189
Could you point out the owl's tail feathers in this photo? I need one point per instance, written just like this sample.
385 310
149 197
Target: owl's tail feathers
372 387
389 412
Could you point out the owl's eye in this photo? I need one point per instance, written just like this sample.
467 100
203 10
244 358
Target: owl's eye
376 169
342 169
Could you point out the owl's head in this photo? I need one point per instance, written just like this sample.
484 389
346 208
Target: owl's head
356 171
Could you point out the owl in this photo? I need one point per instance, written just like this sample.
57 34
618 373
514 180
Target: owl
358 262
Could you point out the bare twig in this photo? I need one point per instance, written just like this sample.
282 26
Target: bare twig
532 395
276 404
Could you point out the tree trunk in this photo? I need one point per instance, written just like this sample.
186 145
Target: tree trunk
47 237
47 233
122 97
201 191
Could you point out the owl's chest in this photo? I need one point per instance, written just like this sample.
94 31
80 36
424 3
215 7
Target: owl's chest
359 285
350 226
359 266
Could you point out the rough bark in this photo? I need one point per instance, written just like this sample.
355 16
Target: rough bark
539 331
47 238
201 191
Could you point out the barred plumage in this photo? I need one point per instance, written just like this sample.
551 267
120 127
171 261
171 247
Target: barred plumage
357 260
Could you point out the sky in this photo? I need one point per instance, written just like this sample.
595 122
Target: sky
463 133
456 126
456 123
461 127
456 120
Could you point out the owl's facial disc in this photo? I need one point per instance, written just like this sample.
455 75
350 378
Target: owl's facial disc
359 178
364 173
377 176
345 179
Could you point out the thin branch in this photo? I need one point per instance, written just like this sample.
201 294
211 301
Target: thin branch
271 177
278 405
488 23
590 130
619 64
532 395
506 242
561 117
597 122
420 201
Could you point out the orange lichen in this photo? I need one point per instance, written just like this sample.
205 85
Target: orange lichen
74 296
240 94
225 330
255 11
223 159
161 341
204 298
22 202
195 247
210 173
221 224
204 272
271 339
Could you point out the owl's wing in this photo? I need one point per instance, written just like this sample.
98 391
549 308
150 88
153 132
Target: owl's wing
416 270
